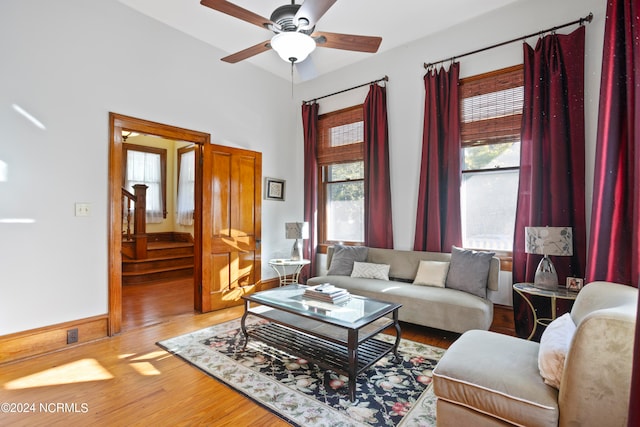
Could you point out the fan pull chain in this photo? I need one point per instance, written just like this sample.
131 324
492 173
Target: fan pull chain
291 79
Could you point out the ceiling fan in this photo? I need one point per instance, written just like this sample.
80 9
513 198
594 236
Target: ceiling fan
294 28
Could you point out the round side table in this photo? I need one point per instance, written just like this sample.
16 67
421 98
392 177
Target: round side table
524 289
281 265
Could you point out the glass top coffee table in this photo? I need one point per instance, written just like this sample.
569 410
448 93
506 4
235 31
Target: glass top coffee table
337 337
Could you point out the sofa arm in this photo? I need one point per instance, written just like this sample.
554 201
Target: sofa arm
598 367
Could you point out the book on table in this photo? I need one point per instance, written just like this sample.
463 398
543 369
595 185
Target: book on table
327 292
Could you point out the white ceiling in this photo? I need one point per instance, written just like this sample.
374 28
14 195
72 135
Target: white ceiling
397 21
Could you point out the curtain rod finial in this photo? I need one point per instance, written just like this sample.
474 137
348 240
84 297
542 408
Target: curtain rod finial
587 18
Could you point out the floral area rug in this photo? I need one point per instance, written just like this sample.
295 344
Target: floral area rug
390 393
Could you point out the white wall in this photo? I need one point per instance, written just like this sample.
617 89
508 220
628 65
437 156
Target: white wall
69 63
405 93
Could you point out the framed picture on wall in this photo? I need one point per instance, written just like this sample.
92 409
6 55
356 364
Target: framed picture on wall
274 189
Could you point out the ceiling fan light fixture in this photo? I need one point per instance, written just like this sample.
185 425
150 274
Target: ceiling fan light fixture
293 46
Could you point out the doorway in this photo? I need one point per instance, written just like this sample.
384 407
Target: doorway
227 220
117 124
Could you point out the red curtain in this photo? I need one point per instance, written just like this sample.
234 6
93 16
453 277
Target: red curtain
310 129
378 229
614 246
438 223
614 253
552 176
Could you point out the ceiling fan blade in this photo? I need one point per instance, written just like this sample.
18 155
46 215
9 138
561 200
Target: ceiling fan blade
311 11
347 41
248 52
237 12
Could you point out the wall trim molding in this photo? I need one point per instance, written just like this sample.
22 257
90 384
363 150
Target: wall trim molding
47 339
34 342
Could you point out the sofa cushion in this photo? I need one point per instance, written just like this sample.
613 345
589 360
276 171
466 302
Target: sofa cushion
344 257
369 270
469 271
440 308
554 346
496 374
432 273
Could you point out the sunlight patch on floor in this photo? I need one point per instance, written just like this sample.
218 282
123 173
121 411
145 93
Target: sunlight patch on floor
145 368
84 370
142 363
151 355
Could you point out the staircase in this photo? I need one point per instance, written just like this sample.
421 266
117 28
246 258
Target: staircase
169 256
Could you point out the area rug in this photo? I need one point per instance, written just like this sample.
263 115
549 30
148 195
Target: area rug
390 393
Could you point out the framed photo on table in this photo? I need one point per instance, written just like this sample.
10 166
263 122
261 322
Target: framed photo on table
274 189
574 284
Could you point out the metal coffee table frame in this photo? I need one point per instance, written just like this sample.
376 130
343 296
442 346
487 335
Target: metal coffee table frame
346 347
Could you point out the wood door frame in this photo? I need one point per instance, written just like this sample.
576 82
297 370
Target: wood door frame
118 123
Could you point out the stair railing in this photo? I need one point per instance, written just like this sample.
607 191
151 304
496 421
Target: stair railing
128 199
139 235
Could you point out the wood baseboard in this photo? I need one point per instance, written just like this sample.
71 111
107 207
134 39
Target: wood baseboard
22 345
503 320
269 283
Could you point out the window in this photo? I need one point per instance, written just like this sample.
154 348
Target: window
186 185
490 115
341 176
148 166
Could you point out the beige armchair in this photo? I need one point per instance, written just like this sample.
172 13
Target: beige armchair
490 379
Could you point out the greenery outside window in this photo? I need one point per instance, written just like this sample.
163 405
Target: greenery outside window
344 201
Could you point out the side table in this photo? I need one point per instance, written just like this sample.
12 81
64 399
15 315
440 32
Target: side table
280 266
524 289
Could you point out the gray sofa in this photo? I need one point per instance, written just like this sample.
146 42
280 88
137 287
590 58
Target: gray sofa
436 307
490 379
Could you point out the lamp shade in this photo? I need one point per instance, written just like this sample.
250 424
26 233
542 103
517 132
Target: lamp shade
556 241
297 230
293 46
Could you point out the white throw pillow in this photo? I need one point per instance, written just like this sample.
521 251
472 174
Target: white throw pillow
369 270
554 346
432 273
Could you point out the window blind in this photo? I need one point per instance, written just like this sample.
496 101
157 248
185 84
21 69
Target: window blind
491 107
341 136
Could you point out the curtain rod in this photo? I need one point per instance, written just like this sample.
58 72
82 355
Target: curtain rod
580 21
385 78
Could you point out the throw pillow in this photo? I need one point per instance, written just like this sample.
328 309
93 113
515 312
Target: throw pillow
432 273
344 257
554 346
369 270
469 271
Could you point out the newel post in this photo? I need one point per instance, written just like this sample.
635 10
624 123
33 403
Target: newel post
140 220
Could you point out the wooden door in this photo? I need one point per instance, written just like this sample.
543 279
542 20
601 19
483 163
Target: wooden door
231 225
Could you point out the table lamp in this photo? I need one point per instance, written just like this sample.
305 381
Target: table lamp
298 231
547 241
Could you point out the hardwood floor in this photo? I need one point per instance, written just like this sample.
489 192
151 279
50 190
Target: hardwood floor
128 380
152 303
